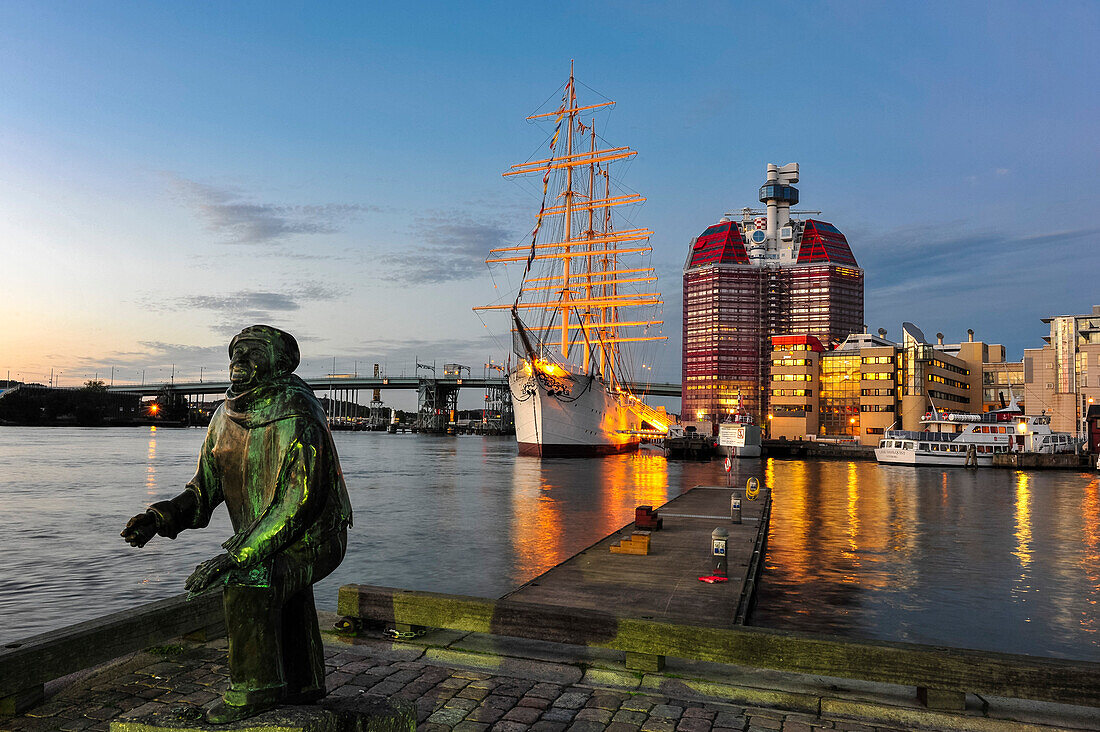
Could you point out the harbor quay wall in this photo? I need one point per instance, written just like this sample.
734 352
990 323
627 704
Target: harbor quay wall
496 678
817 449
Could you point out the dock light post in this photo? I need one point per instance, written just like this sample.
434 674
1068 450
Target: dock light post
719 538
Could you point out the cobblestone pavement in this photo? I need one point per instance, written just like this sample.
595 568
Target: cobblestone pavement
535 696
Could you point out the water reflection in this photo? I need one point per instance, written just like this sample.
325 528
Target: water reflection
987 558
1089 563
151 464
1023 526
547 495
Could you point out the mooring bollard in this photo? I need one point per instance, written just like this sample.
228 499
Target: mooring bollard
718 540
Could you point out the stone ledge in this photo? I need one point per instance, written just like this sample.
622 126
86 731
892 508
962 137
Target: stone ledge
364 713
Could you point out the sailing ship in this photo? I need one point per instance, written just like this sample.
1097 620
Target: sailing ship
570 315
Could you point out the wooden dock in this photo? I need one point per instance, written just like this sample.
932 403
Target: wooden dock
664 584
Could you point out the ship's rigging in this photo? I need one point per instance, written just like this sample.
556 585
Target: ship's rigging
573 284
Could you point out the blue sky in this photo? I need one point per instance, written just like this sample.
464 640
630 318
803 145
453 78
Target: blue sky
171 172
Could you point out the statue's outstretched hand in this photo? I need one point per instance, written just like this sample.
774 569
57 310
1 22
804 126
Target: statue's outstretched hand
140 529
207 573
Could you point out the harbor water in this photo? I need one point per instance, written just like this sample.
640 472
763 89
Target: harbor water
990 559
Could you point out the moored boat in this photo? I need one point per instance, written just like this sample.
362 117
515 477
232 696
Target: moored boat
739 436
960 439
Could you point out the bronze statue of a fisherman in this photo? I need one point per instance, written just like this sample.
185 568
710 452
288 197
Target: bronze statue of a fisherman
269 456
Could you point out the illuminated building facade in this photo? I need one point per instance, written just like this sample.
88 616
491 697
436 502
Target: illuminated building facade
869 384
746 281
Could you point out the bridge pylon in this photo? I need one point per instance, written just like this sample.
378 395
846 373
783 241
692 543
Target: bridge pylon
436 405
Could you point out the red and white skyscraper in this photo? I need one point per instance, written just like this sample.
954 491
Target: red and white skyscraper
745 281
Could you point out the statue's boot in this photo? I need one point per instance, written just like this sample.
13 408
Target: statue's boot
305 696
221 712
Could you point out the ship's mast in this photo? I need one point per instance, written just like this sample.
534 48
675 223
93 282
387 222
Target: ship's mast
611 290
590 233
571 97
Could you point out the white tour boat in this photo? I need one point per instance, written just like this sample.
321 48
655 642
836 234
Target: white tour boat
971 439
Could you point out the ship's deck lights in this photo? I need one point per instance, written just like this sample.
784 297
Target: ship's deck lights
1021 427
549 368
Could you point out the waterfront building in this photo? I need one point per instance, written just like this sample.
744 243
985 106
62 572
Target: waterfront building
752 276
1002 381
1062 378
869 384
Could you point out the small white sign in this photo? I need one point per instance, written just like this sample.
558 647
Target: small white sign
731 435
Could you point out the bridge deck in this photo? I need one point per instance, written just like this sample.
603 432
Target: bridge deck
324 383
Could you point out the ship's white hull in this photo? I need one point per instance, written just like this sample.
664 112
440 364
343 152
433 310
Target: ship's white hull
903 456
569 416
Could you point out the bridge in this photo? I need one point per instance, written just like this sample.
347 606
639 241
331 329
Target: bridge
437 398
352 383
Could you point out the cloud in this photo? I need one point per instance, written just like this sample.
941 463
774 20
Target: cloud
251 302
711 106
999 283
229 212
901 257
449 248
235 310
472 352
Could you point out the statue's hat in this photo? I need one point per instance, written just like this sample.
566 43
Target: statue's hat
285 348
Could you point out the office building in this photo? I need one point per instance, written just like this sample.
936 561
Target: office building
752 276
869 384
1062 378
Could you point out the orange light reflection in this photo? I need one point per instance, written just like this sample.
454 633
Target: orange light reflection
1090 562
621 483
853 505
151 464
1023 524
